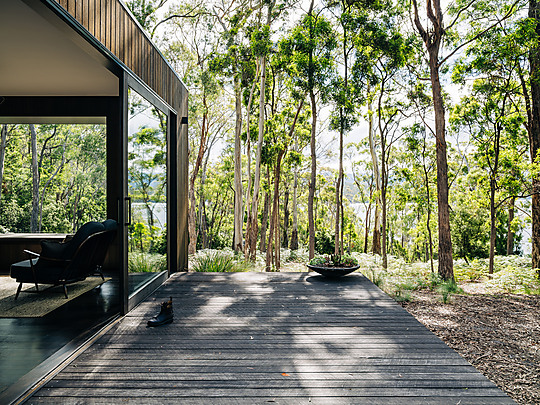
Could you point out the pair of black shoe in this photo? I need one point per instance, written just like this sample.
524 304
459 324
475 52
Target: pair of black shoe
165 315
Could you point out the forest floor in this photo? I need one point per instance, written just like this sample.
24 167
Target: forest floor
498 334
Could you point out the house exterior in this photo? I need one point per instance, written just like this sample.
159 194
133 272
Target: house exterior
80 61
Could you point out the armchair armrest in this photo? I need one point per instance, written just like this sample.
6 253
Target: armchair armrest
30 253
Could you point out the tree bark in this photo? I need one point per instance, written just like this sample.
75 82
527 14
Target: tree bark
338 237
286 215
446 265
510 234
534 134
252 219
264 221
238 209
492 189
274 226
313 177
34 217
3 141
376 245
294 233
432 40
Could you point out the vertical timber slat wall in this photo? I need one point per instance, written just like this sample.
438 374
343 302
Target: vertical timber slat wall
111 24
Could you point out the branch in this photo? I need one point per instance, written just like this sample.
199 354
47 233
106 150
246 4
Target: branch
459 13
481 33
189 14
418 24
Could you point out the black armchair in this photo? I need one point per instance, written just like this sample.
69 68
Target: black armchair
67 262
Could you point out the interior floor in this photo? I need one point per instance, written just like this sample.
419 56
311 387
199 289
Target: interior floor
25 343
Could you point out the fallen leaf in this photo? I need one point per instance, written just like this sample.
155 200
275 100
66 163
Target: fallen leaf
285 375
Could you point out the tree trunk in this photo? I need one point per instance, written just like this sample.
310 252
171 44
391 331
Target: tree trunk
432 40
313 178
338 238
492 189
203 225
294 234
34 217
251 232
510 235
274 226
376 245
264 221
286 215
3 140
368 215
534 135
238 224
446 265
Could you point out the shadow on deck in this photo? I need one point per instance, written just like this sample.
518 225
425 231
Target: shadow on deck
285 338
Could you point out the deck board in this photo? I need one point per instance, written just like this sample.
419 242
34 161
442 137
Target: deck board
283 338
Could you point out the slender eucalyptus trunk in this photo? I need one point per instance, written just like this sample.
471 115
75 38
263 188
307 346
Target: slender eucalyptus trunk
264 221
34 216
492 190
376 245
367 223
294 233
273 239
238 216
286 215
338 238
313 177
251 238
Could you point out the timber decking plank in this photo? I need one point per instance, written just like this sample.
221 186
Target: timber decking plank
470 400
284 338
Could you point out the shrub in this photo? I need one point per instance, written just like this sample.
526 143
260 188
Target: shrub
214 262
448 288
139 262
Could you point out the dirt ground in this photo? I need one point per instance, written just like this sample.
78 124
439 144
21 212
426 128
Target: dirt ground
499 335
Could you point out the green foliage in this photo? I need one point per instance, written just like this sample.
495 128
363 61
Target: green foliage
140 262
447 288
324 242
72 177
470 229
218 262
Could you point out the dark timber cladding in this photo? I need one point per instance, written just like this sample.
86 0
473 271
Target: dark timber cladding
110 23
283 338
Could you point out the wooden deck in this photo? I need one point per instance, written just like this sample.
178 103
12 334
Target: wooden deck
280 338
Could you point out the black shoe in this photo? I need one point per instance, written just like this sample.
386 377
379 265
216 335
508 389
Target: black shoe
165 315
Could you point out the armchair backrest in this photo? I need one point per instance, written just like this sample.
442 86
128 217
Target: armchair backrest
90 253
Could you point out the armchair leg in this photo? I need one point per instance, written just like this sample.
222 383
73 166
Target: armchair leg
100 272
65 291
18 290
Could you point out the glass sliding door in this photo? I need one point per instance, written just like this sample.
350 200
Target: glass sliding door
147 192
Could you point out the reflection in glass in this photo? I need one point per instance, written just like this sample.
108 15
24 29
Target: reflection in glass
147 187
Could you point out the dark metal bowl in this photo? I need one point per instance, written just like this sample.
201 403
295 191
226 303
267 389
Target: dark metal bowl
332 272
